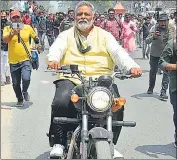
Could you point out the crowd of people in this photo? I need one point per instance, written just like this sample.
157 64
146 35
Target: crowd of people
124 33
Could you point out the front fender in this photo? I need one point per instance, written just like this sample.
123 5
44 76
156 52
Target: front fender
99 133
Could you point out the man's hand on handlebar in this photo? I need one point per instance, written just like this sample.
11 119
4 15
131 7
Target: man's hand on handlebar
54 65
135 72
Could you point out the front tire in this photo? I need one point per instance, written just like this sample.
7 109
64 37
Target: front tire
100 149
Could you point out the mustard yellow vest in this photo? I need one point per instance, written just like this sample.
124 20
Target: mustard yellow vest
94 63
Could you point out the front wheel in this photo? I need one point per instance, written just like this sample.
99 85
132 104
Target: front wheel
100 149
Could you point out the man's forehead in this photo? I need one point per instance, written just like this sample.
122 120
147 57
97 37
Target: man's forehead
84 9
71 12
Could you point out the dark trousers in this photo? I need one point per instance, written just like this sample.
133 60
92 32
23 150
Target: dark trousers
56 33
153 72
173 102
20 71
41 35
50 39
63 107
146 47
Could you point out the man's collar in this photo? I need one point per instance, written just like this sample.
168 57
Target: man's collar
112 19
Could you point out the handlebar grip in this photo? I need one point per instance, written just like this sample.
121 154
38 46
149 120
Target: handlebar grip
124 123
59 71
66 120
65 67
122 77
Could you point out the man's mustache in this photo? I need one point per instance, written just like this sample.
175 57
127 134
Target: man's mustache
82 21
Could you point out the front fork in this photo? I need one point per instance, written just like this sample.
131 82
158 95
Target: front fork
84 135
109 129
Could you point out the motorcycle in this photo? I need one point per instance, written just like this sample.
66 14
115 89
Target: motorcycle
95 103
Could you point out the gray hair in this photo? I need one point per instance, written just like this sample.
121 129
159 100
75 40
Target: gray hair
84 3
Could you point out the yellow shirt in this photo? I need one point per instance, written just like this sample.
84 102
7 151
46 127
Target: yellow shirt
16 51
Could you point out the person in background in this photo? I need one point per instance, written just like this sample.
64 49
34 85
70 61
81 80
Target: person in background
120 17
168 62
106 15
172 19
34 17
139 33
142 5
5 70
136 7
148 6
146 30
112 25
50 29
133 18
27 18
8 15
159 35
152 18
57 22
97 22
102 17
69 22
96 15
175 22
129 30
42 26
30 10
20 66
23 16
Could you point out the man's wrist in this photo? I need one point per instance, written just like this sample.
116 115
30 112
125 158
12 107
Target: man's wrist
175 67
171 67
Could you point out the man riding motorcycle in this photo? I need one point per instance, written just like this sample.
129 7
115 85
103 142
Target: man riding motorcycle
96 52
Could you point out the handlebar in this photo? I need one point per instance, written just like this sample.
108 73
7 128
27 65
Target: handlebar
67 70
121 76
64 120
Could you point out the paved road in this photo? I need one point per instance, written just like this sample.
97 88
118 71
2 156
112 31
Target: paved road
24 130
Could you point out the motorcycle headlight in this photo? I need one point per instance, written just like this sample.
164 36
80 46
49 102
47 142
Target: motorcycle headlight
99 99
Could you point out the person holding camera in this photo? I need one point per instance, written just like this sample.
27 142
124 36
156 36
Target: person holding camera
17 37
159 35
5 71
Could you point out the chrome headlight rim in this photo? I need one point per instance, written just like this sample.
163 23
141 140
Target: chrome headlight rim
92 92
